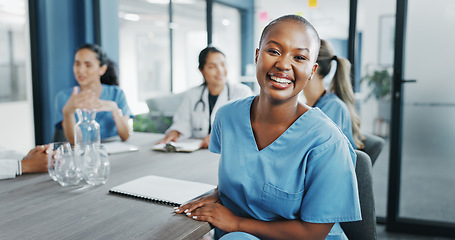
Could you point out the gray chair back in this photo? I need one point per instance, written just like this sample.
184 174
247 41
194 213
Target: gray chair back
373 146
165 105
59 135
366 228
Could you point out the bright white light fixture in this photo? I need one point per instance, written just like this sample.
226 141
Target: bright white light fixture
225 22
131 17
158 1
173 1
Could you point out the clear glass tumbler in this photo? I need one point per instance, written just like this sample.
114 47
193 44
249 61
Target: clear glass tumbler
54 153
96 166
66 167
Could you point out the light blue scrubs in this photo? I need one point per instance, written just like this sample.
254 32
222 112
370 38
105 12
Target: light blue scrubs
337 110
105 119
307 173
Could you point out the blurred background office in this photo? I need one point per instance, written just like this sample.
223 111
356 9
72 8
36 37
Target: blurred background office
401 52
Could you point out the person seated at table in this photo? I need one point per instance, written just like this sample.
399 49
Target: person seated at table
13 163
195 115
286 170
338 102
99 90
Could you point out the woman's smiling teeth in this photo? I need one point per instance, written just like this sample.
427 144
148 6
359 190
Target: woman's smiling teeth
281 80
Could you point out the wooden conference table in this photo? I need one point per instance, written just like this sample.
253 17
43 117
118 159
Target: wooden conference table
33 206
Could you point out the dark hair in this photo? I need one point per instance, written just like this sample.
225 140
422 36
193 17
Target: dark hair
291 17
110 76
340 85
204 53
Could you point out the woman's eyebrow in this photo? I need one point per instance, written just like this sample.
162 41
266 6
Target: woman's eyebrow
274 42
300 49
303 49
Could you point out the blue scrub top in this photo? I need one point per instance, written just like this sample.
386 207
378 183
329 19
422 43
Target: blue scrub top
338 112
307 173
105 119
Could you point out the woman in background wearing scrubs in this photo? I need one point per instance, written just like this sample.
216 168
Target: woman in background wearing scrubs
196 113
286 170
98 90
338 102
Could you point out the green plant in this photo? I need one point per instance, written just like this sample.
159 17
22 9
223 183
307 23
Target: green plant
149 122
380 82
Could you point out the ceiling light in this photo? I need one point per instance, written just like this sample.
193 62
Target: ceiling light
131 17
225 22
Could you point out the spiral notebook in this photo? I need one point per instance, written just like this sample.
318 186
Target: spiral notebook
163 190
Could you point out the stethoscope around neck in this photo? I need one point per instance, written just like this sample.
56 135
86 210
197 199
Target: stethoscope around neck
200 101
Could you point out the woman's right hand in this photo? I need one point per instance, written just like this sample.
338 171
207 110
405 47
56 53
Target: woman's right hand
193 205
171 136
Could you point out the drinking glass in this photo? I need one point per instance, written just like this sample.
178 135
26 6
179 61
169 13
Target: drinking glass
96 166
66 167
54 153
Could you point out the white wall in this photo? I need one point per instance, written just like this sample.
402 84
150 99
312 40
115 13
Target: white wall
16 126
330 17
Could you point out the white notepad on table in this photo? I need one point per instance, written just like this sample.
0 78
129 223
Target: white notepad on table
119 147
164 190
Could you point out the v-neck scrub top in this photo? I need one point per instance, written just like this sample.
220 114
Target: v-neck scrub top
338 112
307 173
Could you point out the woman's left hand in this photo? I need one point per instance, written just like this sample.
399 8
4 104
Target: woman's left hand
108 106
218 215
205 142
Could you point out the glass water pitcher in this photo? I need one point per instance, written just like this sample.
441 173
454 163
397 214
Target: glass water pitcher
86 130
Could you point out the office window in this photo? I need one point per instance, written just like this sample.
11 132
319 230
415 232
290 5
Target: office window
145 48
16 99
13 52
226 36
189 38
144 51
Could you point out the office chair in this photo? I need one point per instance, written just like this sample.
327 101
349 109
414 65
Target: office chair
373 146
366 228
165 105
59 135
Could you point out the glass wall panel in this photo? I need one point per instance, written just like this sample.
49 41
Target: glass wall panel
376 26
189 38
428 132
144 53
226 37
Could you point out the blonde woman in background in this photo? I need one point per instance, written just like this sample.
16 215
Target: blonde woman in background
338 101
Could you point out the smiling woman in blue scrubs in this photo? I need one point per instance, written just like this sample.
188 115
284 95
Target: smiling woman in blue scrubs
286 171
